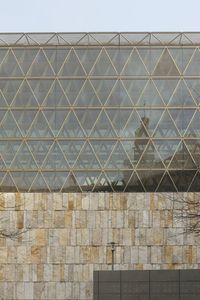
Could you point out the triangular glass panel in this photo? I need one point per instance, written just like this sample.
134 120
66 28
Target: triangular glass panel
182 179
39 150
182 159
166 127
128 146
103 66
150 118
71 127
150 57
166 38
25 97
103 127
8 150
134 38
41 38
194 128
150 96
24 40
150 179
116 180
118 118
72 66
193 37
102 184
119 96
166 149
139 145
182 118
10 67
2 164
70 185
55 180
195 185
40 89
88 57
193 67
40 66
134 184
25 57
87 180
181 56
56 119
134 127
166 88
3 102
56 57
55 159
86 40
87 118
9 89
185 40
194 88
193 147
3 54
2 115
119 57
23 180
56 97
119 159
8 185
72 88
134 88
166 66
102 149
87 96
9 127
40 127
71 150
2 175
166 184
87 159
182 96
104 38
150 158
103 88
134 66
39 185
24 119
23 159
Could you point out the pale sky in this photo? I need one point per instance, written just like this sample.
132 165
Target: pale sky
99 15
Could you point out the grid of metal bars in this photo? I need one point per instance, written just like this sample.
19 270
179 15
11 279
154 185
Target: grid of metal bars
99 118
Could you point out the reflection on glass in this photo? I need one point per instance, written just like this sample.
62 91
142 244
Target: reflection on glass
91 118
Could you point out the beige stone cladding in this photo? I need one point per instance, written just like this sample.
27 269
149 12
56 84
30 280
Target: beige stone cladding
51 243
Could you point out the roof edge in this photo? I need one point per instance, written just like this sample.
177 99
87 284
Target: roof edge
100 38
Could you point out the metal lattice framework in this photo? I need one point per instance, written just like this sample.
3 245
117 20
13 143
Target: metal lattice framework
100 38
83 112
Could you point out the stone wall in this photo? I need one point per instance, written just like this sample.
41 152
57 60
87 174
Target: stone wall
51 243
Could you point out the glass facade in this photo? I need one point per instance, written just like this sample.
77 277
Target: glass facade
99 112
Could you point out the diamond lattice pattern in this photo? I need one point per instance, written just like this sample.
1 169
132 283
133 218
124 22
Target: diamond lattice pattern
99 118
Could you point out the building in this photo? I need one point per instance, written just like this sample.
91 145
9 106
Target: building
91 125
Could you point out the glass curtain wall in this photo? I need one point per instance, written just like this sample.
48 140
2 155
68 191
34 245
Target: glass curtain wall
99 118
